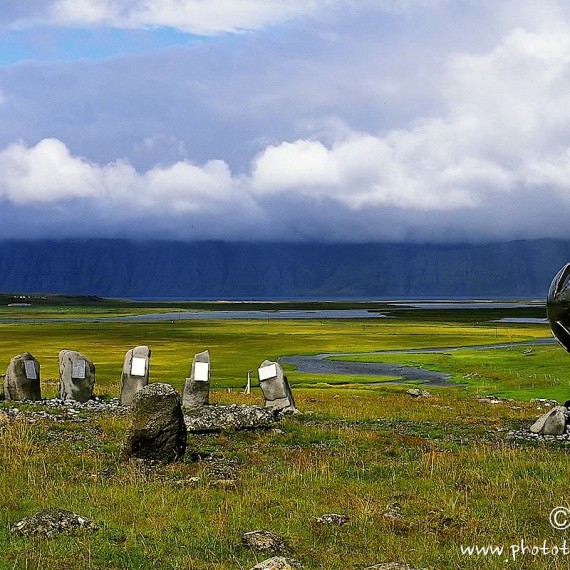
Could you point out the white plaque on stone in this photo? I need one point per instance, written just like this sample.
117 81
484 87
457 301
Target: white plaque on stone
30 370
267 372
78 370
138 366
201 371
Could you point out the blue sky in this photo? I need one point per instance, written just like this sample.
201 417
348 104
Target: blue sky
45 44
320 120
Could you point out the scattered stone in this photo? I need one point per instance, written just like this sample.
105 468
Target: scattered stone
197 387
47 522
207 419
264 541
491 399
135 373
275 387
394 513
417 393
76 376
157 431
332 519
277 563
22 380
544 402
391 566
551 423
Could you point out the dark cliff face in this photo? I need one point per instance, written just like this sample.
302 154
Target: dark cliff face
122 268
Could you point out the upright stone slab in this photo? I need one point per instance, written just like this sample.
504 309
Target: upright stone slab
275 387
157 430
135 373
22 381
76 376
197 387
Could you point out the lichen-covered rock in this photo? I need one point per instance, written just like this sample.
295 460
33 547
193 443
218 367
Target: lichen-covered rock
418 393
48 522
218 418
551 423
392 566
264 541
332 519
76 376
157 431
22 380
277 563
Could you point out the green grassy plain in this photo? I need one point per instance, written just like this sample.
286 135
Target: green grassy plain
418 478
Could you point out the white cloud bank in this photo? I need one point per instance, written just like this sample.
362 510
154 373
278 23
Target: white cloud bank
202 17
493 164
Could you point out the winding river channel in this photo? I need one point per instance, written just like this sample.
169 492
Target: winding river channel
321 363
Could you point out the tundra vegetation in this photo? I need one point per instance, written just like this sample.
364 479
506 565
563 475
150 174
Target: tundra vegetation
417 477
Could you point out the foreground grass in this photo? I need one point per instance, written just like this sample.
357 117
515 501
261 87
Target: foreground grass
439 463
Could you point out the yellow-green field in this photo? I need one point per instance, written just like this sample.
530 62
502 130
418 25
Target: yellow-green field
418 477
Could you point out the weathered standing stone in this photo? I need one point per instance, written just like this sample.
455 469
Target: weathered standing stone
76 376
218 418
275 387
551 423
135 373
22 380
157 431
197 387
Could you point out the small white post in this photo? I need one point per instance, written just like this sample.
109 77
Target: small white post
248 385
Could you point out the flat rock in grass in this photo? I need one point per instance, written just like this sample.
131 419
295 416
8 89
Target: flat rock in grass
332 519
392 566
417 393
277 563
48 522
551 423
218 418
264 541
156 431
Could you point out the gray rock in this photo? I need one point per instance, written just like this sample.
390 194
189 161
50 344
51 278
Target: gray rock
544 402
76 376
135 373
275 387
276 563
264 541
417 393
392 566
22 380
48 522
218 418
197 387
157 431
551 423
332 519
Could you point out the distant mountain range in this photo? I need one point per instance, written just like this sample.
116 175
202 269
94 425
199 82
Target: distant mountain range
122 268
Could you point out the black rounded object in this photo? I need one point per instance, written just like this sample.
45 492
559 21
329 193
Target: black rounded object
558 307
